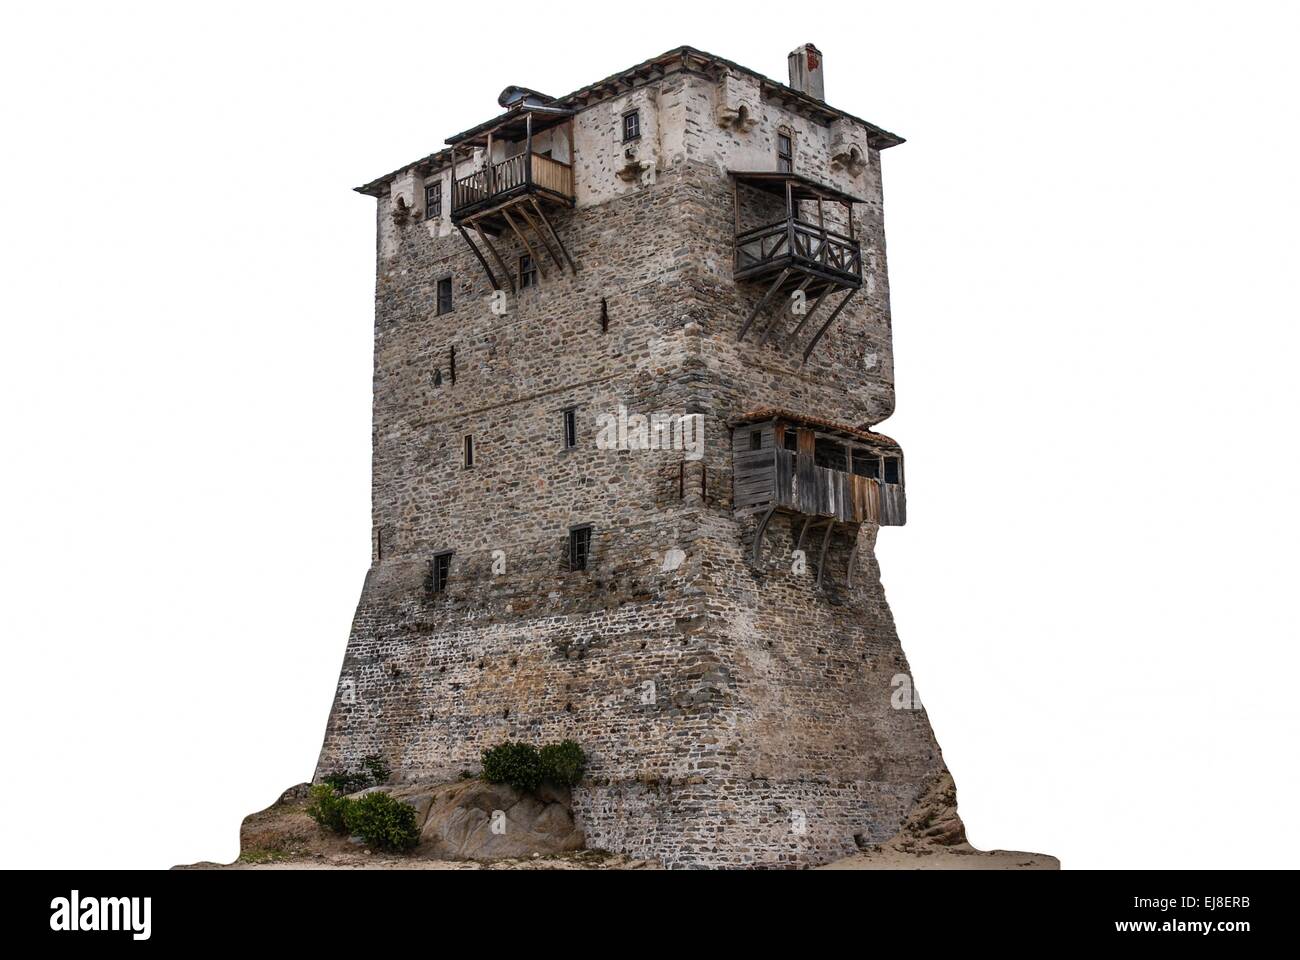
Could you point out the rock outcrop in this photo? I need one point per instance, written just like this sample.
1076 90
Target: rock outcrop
475 820
933 837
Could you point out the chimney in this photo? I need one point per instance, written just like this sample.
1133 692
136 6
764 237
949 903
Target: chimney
806 71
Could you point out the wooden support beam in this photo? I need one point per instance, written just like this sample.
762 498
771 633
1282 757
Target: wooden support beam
758 533
763 303
826 326
510 277
528 148
555 236
523 212
524 240
794 334
807 521
479 254
826 542
780 314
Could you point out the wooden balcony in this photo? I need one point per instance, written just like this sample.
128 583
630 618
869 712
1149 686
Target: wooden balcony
498 184
794 255
517 180
800 247
821 474
788 481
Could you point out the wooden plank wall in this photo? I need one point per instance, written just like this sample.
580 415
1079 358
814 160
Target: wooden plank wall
752 474
772 474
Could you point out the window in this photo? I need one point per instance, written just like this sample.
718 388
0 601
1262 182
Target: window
469 452
830 454
444 295
785 153
632 126
527 272
866 464
579 547
756 439
570 428
790 441
439 572
893 470
433 201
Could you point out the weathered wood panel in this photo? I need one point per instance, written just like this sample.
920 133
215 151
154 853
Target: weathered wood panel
794 481
893 504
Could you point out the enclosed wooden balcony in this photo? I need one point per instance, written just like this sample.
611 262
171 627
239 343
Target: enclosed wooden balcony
805 249
821 473
507 174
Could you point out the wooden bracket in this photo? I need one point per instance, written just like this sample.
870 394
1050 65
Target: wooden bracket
776 285
758 533
826 326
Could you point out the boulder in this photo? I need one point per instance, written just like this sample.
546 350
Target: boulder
476 820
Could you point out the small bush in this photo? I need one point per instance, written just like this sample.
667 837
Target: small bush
378 770
517 764
328 808
563 763
374 771
345 782
382 822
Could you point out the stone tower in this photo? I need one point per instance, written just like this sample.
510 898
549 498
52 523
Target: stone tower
630 347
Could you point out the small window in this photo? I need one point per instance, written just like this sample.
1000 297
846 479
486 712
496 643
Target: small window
469 452
784 153
893 470
527 272
866 464
433 201
632 126
444 295
440 572
570 428
830 454
756 440
790 440
579 548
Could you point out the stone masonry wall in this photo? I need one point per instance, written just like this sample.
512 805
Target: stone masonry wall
733 715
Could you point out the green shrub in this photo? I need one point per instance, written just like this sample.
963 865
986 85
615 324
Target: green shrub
328 808
382 822
378 770
374 771
345 782
563 763
517 764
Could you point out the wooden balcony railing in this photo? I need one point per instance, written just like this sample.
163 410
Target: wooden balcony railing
800 485
515 174
795 242
552 175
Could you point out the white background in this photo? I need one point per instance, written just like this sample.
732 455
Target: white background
1092 245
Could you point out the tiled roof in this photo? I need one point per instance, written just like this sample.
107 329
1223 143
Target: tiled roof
774 413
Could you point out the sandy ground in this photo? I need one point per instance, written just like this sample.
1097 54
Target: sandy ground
963 857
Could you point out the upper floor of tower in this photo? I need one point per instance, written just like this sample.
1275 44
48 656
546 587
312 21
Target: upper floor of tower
613 134
803 175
